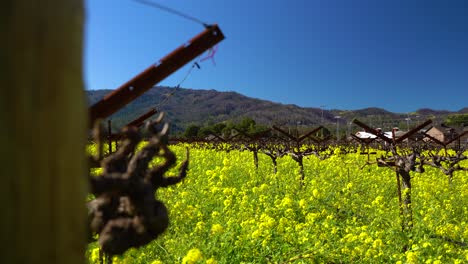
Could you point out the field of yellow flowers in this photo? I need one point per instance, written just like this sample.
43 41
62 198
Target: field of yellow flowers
226 211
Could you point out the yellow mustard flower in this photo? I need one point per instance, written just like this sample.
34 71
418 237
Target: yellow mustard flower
217 229
193 255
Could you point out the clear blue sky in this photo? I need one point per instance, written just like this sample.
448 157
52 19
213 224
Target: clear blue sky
398 55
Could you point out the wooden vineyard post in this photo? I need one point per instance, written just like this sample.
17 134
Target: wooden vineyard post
43 117
109 135
365 142
116 137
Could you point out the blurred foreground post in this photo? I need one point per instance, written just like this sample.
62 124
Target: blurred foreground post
43 126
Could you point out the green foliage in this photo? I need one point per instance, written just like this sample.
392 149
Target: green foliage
205 131
249 126
228 128
246 125
191 131
218 128
457 120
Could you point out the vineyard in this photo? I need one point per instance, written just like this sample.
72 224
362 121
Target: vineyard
237 186
270 195
337 207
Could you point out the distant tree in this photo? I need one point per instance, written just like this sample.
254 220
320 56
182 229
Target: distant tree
259 128
191 131
227 130
205 131
457 120
246 125
218 128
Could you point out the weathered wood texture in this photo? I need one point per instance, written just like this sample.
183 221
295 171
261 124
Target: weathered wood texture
42 132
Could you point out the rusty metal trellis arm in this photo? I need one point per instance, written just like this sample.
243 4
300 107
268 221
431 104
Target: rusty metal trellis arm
413 131
455 138
285 133
362 140
315 140
434 139
233 137
358 139
138 122
129 91
218 137
261 134
373 131
326 138
241 133
309 133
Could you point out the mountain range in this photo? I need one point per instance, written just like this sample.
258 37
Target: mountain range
184 107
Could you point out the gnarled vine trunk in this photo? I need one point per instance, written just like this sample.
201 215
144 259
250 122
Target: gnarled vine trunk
255 156
407 221
275 164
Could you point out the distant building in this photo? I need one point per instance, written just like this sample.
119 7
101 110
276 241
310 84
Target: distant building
464 138
364 135
441 133
389 134
445 134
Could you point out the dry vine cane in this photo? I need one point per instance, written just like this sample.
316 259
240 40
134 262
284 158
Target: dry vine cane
448 163
125 212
